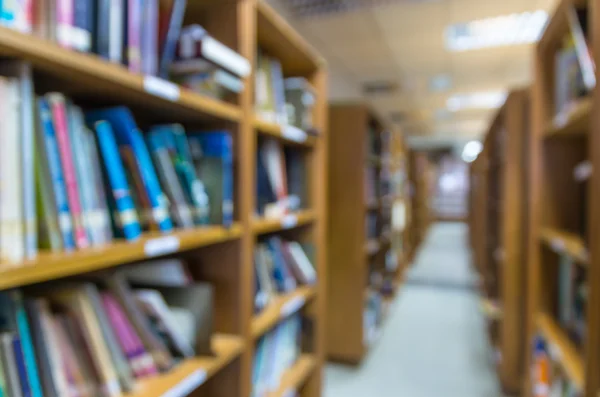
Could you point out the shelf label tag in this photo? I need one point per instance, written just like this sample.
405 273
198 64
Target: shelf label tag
557 245
161 246
293 133
292 306
188 385
289 221
162 88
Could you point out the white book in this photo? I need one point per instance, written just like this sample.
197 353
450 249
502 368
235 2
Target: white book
302 260
21 71
115 40
171 272
272 157
12 239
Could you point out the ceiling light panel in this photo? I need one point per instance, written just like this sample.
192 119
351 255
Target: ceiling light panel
504 30
476 100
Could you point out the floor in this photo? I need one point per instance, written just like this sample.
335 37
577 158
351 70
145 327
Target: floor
434 342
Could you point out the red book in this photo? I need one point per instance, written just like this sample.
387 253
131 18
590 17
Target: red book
59 120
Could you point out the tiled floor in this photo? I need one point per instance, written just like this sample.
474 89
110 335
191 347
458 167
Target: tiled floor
434 343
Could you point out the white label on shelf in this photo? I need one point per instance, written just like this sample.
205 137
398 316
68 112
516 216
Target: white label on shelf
162 88
188 385
293 133
161 246
557 245
289 221
292 306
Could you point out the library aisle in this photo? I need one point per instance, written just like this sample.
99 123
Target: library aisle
435 342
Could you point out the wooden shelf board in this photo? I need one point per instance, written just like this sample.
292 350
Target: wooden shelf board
193 372
575 123
278 38
295 376
567 243
290 221
276 131
281 307
569 357
50 266
91 75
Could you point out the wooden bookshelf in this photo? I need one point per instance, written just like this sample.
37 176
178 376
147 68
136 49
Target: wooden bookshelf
497 223
354 255
563 209
421 179
220 256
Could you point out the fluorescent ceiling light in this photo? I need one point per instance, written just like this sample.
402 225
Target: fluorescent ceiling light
471 151
476 100
503 30
441 82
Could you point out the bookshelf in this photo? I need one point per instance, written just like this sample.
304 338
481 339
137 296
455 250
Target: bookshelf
421 177
221 256
362 230
563 267
498 206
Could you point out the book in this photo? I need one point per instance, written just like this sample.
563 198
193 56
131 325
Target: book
296 177
578 24
180 208
133 29
300 264
9 364
195 43
212 154
300 101
64 24
278 87
217 83
101 28
282 274
149 37
272 157
12 231
124 218
81 29
116 32
118 285
161 272
265 196
22 72
171 20
59 120
264 100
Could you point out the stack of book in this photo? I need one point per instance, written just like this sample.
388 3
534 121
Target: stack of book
204 65
279 267
146 36
572 299
574 66
74 179
281 179
97 338
275 353
288 101
548 376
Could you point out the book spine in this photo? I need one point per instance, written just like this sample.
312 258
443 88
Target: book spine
101 39
9 363
28 160
149 39
59 117
134 28
227 156
8 13
27 345
52 153
218 53
12 238
81 32
125 215
115 33
64 22
21 367
172 36
24 17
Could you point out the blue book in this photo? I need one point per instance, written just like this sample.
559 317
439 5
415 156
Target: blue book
51 157
215 168
127 134
21 368
26 344
175 140
281 273
126 222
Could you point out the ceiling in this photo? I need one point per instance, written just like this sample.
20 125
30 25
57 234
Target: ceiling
402 42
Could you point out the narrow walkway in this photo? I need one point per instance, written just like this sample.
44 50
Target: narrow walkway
434 342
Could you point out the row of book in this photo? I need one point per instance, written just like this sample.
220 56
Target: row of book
574 65
287 101
275 353
572 299
548 375
280 266
281 179
74 178
97 337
